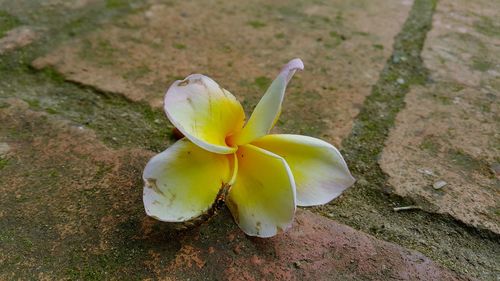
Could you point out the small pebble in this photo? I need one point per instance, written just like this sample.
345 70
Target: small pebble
400 81
426 172
439 184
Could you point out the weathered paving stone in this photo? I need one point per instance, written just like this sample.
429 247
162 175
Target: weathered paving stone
23 22
241 45
13 34
16 38
449 129
72 209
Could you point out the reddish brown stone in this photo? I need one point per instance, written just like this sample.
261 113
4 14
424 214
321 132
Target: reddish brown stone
449 130
316 248
16 38
242 45
72 209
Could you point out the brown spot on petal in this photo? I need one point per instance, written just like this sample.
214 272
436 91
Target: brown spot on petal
258 227
151 183
183 83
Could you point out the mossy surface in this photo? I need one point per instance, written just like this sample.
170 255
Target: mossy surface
120 123
7 22
488 26
368 205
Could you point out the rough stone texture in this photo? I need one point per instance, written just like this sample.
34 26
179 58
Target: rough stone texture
344 46
319 249
16 38
450 127
78 213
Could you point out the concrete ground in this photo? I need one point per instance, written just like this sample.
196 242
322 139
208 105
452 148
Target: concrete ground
408 90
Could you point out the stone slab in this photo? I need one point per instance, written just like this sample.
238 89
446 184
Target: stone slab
445 146
242 45
72 209
17 38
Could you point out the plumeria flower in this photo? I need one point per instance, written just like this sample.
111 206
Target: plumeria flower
265 176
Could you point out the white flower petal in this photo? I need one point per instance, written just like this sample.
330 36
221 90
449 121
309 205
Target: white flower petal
204 112
319 170
267 111
262 200
182 182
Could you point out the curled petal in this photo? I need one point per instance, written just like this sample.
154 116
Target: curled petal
182 182
233 161
204 112
267 111
318 168
262 199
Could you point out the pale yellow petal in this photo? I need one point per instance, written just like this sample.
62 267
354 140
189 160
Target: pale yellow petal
183 181
262 199
204 112
319 170
267 111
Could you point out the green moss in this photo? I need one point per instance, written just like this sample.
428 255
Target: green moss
339 18
387 98
117 121
51 110
441 98
74 26
361 33
257 24
121 123
468 163
99 51
3 162
33 103
368 205
280 35
4 104
137 73
262 83
53 75
104 47
114 4
7 22
431 144
335 39
482 64
487 26
180 46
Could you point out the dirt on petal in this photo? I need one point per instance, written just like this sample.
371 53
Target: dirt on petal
315 248
449 129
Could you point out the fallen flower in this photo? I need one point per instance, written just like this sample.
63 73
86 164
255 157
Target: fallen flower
265 176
